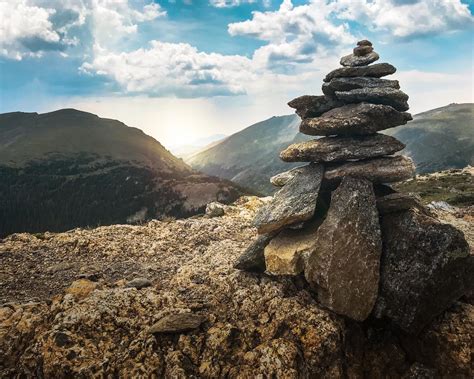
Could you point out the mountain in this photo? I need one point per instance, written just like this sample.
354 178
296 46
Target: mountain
439 139
183 151
69 168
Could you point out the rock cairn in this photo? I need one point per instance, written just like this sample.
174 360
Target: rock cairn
366 250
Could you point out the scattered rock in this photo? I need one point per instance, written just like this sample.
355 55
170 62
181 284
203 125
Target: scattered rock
353 60
279 180
82 288
354 119
215 209
337 149
397 202
177 323
253 258
374 71
313 106
347 84
344 267
362 50
426 266
442 206
385 95
377 170
287 252
139 283
294 203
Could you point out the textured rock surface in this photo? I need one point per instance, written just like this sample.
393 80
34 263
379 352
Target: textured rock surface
426 266
215 209
313 106
377 170
294 203
347 84
344 267
177 323
386 95
279 180
337 149
354 119
397 202
353 60
253 258
139 283
287 252
362 50
374 71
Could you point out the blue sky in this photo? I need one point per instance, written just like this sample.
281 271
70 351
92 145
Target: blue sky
184 69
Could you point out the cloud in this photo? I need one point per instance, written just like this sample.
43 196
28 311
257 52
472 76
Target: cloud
31 27
173 69
229 3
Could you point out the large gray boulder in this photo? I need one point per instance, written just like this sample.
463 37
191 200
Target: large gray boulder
377 170
313 106
337 149
354 119
385 95
347 84
294 203
374 71
426 266
344 266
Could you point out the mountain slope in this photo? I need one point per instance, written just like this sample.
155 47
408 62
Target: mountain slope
69 168
439 139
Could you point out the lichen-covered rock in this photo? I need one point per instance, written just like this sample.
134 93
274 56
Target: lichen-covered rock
347 84
426 266
374 71
354 60
177 323
344 266
253 258
294 203
397 202
279 180
376 95
377 170
354 119
313 106
337 149
215 209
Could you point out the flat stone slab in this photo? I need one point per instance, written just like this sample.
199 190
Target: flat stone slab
398 202
387 96
377 170
376 70
337 149
353 60
313 106
279 180
294 203
253 258
287 253
344 266
176 323
354 119
347 84
426 267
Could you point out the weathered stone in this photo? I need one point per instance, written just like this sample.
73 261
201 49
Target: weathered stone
337 149
377 170
287 252
362 50
347 84
374 71
364 42
397 202
426 266
353 60
139 283
294 203
215 209
253 259
387 96
354 119
279 180
177 323
313 106
344 266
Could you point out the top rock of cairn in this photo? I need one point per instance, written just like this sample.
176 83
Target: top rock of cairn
336 220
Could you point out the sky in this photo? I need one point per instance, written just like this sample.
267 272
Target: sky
182 70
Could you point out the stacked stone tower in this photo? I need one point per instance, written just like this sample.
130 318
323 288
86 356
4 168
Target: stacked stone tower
363 248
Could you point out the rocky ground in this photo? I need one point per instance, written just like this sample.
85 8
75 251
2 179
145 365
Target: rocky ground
70 308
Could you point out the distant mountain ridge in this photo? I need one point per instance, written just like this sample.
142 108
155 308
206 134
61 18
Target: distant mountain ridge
69 168
438 139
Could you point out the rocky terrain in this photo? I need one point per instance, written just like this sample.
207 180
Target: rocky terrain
436 140
68 168
163 300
